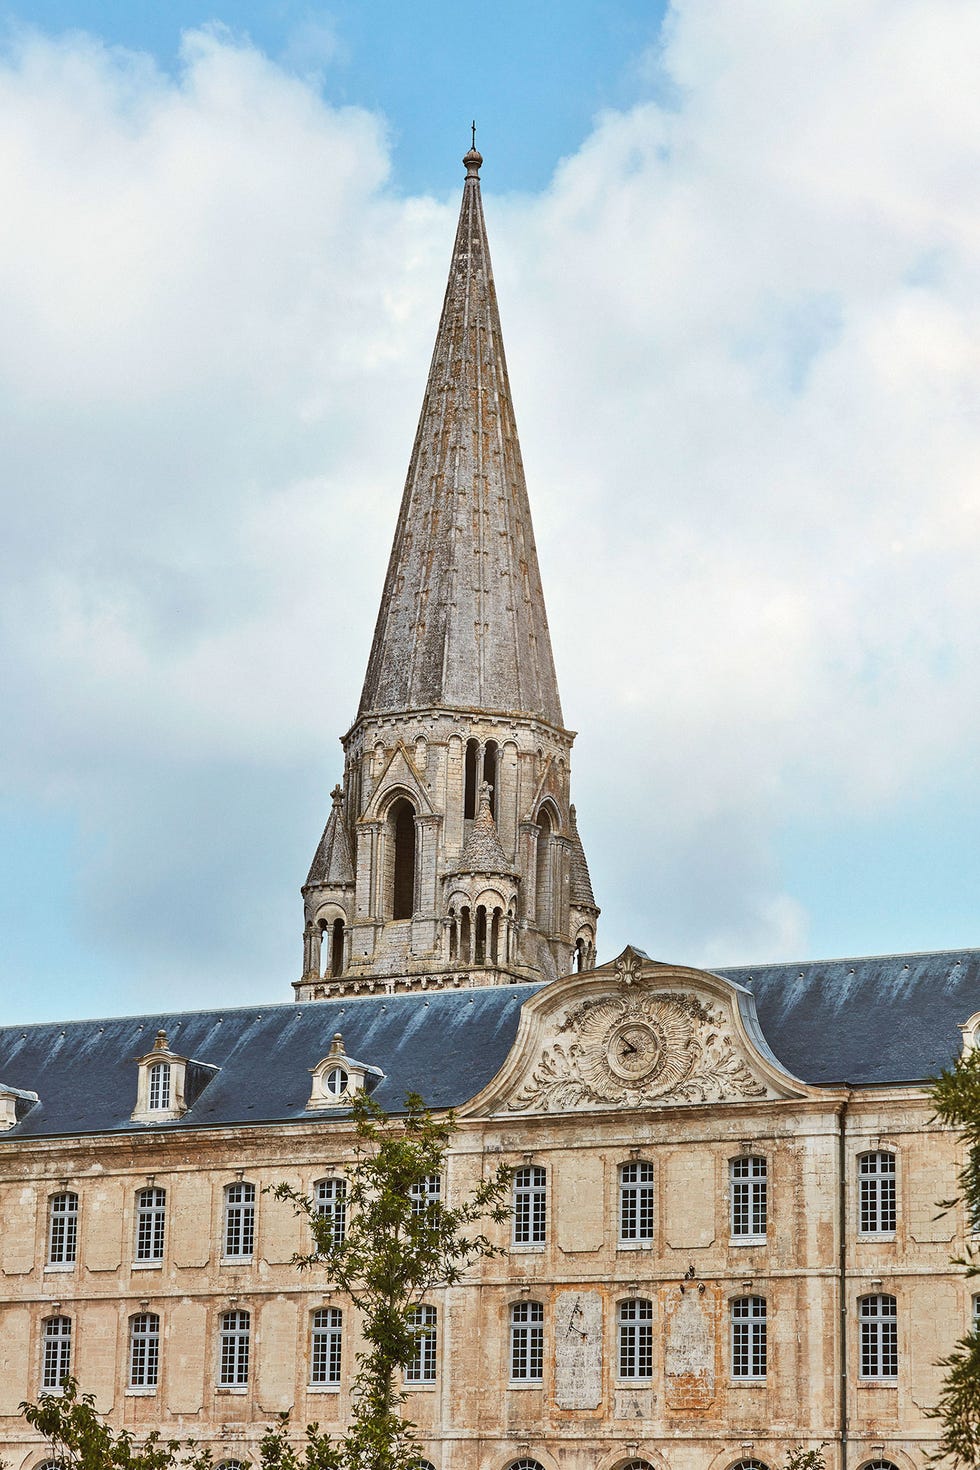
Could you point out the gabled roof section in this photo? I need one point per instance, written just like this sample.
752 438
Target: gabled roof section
462 623
332 862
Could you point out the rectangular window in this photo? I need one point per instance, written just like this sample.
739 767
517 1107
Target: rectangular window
636 1202
144 1350
636 1339
159 1088
239 1220
233 1367
426 1197
331 1205
749 1337
527 1342
63 1230
325 1347
56 1363
151 1221
876 1176
879 1336
748 1182
422 1368
530 1205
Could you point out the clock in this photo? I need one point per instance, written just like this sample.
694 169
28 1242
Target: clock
633 1050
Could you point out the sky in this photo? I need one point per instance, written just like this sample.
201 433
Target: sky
737 253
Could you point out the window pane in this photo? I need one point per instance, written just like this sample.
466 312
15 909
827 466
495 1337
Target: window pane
239 1219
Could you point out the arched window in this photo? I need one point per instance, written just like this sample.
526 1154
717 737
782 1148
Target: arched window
543 905
464 935
525 1464
527 1342
239 1229
636 1202
879 1336
879 1465
635 1322
326 1342
158 1091
490 756
331 1204
495 955
579 960
151 1223
56 1359
402 829
876 1176
144 1350
636 1465
453 937
748 1186
480 937
749 1337
422 1366
235 1335
63 1229
530 1205
749 1465
975 1312
337 947
471 764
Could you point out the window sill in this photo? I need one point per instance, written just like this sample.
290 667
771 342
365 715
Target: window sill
526 1248
141 1393
428 1387
634 1245
747 1240
522 1383
56 1266
236 1261
147 1265
747 1382
323 1388
627 1383
877 1383
239 1389
871 1236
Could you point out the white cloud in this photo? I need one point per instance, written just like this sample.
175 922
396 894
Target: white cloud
744 336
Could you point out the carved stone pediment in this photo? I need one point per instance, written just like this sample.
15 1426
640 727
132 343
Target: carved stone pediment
637 1034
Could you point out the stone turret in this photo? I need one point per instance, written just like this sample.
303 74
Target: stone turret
452 856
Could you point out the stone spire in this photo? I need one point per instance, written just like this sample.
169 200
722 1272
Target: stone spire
452 857
462 623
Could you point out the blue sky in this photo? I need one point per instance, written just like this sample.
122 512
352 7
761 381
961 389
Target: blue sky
735 253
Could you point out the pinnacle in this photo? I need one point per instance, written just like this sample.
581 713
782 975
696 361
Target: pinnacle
482 852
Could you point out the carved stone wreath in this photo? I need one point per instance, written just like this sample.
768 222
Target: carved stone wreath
681 1050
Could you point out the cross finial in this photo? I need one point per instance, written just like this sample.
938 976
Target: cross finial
473 133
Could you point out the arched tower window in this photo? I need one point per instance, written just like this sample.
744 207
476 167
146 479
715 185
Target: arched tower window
403 838
543 877
337 944
464 934
480 936
471 765
490 773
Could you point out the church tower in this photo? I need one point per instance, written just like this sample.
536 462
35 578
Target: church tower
451 856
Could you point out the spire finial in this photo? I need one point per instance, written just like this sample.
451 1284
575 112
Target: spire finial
473 159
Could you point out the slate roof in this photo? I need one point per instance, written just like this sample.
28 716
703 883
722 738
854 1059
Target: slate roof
884 1019
446 1046
878 1019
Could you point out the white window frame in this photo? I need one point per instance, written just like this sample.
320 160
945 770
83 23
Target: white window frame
426 1196
330 1197
634 1344
748 1186
877 1193
878 1322
636 1203
158 1087
63 1230
238 1223
151 1225
326 1347
422 1366
56 1353
527 1342
235 1349
144 1351
530 1203
749 1338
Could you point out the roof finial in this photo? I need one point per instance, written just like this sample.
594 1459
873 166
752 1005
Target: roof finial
473 159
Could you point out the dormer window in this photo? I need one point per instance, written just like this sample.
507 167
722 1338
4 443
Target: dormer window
339 1078
15 1104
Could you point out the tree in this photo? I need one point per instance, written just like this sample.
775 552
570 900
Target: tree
399 1244
956 1094
80 1439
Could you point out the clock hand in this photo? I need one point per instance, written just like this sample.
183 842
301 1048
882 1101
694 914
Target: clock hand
627 1049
